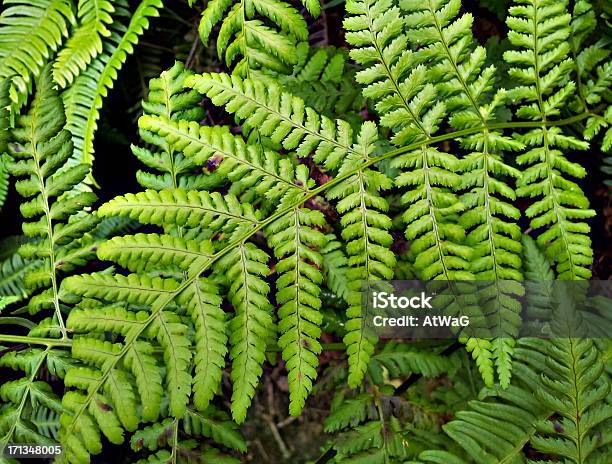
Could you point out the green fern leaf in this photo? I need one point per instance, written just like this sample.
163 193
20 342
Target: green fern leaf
251 326
243 34
56 220
86 42
42 25
296 243
365 229
84 98
543 74
204 306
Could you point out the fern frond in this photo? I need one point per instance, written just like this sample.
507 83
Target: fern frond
575 388
214 424
263 33
85 44
543 74
473 429
31 32
406 102
279 115
54 213
396 360
374 436
169 433
335 266
591 55
323 79
172 335
251 326
365 229
13 271
204 307
142 252
297 127
134 357
296 244
133 288
84 98
457 67
24 397
184 208
247 166
169 99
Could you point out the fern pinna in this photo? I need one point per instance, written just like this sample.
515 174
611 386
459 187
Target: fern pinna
271 192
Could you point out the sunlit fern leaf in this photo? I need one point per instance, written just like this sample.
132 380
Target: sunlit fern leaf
93 18
105 402
84 98
365 228
335 266
296 243
247 166
204 307
139 358
214 424
407 104
31 32
541 69
203 332
169 99
251 326
297 127
262 33
456 65
400 82
181 207
134 288
274 179
172 335
58 226
323 79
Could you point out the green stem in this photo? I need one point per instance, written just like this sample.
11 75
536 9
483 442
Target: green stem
50 342
54 342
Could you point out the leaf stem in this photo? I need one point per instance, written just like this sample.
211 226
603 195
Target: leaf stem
50 342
